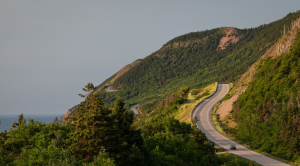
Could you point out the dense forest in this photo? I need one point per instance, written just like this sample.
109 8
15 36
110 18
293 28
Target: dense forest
101 135
267 112
95 135
196 59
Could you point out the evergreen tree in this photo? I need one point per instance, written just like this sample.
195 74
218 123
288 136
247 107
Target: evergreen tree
89 88
128 141
97 128
20 121
92 128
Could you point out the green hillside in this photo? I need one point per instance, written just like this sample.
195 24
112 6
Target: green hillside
196 59
268 112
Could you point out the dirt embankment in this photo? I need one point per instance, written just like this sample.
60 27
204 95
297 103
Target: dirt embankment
226 106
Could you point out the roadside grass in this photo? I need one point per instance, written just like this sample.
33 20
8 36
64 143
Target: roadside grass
184 112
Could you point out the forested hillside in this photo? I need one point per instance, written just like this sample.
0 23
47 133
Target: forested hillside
195 59
268 112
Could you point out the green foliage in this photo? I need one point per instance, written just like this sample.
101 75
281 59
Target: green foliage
171 142
35 143
268 112
95 135
45 156
89 128
103 160
195 92
193 60
202 95
96 128
229 159
87 89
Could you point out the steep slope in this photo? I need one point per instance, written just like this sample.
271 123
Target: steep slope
264 97
112 79
268 112
282 46
194 59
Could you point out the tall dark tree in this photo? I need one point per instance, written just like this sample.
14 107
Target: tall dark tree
92 128
97 128
130 140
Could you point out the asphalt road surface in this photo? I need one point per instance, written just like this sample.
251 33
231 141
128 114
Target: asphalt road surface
205 125
109 89
133 109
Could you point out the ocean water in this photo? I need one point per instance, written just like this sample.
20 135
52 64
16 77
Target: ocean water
7 120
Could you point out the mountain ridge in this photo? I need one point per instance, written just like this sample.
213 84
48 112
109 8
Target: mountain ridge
207 56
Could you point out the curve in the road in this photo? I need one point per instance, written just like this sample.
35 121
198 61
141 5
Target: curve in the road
108 89
203 111
133 109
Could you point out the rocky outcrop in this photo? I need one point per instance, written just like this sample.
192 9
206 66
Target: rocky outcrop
66 115
232 37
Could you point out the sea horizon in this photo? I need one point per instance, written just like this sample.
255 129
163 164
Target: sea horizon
8 119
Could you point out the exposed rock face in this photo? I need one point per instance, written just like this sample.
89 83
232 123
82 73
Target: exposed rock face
65 116
232 37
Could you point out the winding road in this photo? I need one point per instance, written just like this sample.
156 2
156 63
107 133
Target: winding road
109 89
133 109
203 111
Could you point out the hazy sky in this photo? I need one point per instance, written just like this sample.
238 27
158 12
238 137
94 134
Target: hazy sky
50 49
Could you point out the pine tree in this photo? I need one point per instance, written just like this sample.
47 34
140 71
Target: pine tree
20 121
97 128
129 139
92 128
